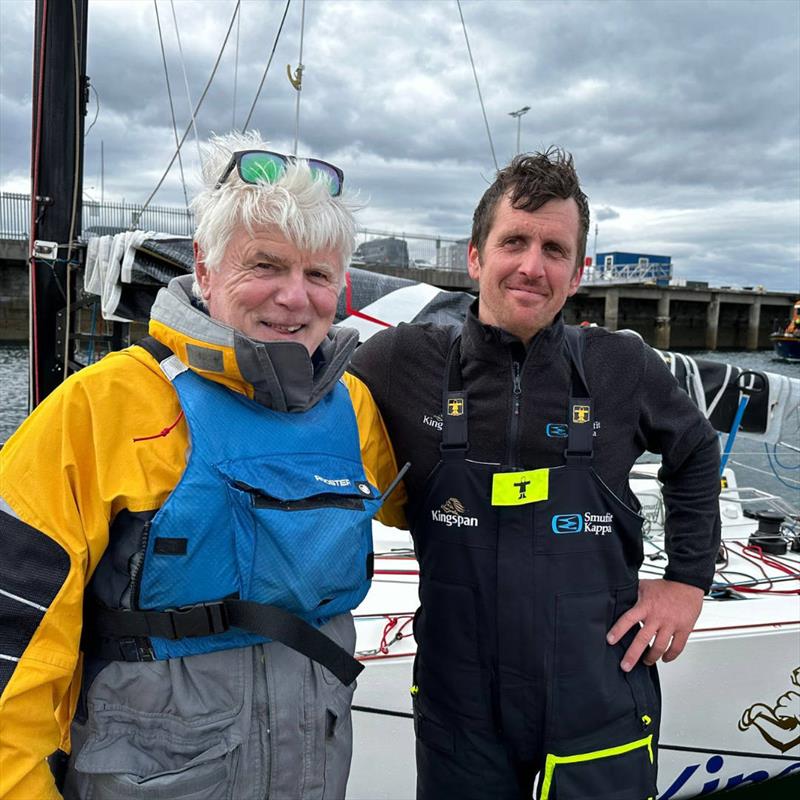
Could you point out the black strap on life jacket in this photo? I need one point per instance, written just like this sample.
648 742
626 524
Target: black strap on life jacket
455 440
123 635
116 634
156 349
580 410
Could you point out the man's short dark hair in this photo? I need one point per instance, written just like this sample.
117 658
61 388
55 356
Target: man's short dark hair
530 180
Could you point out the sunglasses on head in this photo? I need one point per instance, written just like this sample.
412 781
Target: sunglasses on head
258 166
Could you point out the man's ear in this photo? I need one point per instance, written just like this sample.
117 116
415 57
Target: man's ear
473 262
575 281
201 271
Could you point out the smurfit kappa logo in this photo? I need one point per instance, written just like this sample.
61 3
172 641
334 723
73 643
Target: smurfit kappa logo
597 524
567 523
452 512
560 430
555 430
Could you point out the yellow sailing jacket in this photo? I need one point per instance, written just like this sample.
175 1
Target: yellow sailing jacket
112 437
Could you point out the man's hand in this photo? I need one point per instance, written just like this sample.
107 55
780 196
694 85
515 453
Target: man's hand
668 611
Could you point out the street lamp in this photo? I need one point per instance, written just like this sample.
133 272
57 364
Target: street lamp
518 114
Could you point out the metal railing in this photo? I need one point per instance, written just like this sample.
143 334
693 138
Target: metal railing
15 215
97 218
410 250
627 273
102 218
421 251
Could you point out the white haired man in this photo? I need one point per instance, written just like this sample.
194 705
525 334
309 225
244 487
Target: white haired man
194 514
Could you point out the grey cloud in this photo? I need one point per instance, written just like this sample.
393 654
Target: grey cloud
605 213
666 106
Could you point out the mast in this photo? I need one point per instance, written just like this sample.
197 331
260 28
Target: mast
60 93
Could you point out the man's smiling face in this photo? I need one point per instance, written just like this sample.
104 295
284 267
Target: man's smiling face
272 291
526 269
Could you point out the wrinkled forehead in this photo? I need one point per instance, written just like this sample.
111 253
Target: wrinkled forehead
260 241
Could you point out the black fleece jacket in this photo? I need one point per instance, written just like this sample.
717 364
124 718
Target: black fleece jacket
638 406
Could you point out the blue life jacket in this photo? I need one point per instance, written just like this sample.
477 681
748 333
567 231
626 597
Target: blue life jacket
272 507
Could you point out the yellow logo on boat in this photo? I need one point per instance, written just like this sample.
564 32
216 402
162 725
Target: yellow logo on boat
455 407
581 414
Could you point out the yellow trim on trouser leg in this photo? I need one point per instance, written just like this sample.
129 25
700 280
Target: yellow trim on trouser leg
552 760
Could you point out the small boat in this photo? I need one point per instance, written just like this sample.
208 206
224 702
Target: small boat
787 341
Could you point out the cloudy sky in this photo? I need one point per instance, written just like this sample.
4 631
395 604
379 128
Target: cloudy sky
683 116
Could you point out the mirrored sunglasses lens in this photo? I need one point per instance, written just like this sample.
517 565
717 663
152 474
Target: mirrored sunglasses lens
328 174
255 167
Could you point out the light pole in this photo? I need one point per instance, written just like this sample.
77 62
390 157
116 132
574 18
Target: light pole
519 114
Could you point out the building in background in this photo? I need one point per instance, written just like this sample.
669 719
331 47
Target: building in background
453 256
389 252
633 267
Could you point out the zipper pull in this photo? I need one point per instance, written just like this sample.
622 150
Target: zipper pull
515 368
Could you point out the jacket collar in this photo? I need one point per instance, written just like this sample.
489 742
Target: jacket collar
484 342
279 375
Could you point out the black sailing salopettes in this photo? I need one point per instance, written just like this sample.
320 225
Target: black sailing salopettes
523 572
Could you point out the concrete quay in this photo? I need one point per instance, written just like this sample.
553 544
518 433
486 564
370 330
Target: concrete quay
669 318
679 318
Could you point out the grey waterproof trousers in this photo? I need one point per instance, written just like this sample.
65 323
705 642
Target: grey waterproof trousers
260 723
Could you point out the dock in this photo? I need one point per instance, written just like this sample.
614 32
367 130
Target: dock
667 317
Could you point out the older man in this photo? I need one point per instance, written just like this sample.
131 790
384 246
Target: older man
527 533
194 513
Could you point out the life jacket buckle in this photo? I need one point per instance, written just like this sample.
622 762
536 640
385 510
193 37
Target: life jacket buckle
203 619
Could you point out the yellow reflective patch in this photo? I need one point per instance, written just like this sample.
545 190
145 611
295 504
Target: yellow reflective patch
520 488
581 414
552 761
455 407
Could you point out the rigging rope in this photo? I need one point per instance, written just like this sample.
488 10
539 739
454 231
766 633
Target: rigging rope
235 69
189 126
477 85
298 81
269 63
96 112
76 176
185 79
171 104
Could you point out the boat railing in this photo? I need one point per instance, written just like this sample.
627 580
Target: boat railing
752 499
